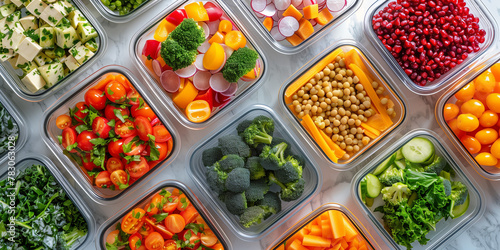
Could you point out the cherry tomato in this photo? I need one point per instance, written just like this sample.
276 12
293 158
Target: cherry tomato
69 138
162 149
146 230
133 97
152 207
124 81
116 92
102 179
183 202
136 147
63 121
189 214
466 93
136 169
83 140
481 96
133 221
198 111
145 111
119 177
208 238
473 107
171 205
79 115
135 241
194 239
102 83
493 102
495 69
467 122
87 163
113 236
170 245
160 229
495 149
218 246
488 119
110 113
95 98
154 241
486 136
100 127
175 223
115 148
161 134
113 164
143 127
485 82
471 144
450 111
486 159
125 129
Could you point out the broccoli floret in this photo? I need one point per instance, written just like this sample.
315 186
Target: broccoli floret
436 166
233 144
256 170
252 216
266 122
299 158
289 191
288 150
271 204
257 190
236 203
239 63
238 180
254 136
216 179
211 156
230 162
391 175
459 193
273 158
175 55
188 34
291 171
396 194
242 126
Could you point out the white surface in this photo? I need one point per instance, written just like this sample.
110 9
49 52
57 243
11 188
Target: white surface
336 185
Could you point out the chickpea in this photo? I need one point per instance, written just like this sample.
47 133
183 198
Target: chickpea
314 98
309 85
390 111
336 123
328 130
298 109
359 137
337 59
347 103
375 85
329 94
330 66
342 63
308 107
350 122
321 93
301 114
346 157
348 141
335 130
343 145
339 77
383 101
352 98
343 120
335 137
341 111
314 109
355 79
349 148
367 104
347 91
306 96
365 140
317 76
355 148
354 108
321 99
353 131
368 113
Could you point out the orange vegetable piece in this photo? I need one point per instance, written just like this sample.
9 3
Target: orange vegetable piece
315 230
369 128
326 229
370 134
318 138
467 122
495 69
235 40
338 151
343 243
225 26
299 235
473 107
161 61
495 149
268 23
350 231
214 58
294 40
102 84
253 73
454 127
450 111
324 17
376 121
186 95
337 222
311 11
488 119
466 93
293 12
296 245
198 111
486 159
316 241
336 247
197 11
493 102
280 247
354 56
218 37
471 144
485 82
305 28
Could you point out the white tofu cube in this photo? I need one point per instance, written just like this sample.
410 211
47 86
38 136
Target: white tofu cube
66 36
6 54
17 2
52 73
47 37
13 39
51 15
42 59
33 81
28 48
13 19
36 7
71 63
76 17
92 46
86 31
7 9
3 27
24 64
29 22
59 6
13 61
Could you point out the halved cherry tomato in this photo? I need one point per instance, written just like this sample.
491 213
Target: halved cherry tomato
124 81
177 16
145 111
136 147
113 164
194 239
170 245
218 246
135 241
63 121
153 164
69 138
116 92
100 127
155 121
115 148
112 237
137 169
152 207
133 221
110 113
183 202
175 223
102 179
83 140
163 149
161 134
189 214
95 98
146 230
198 111
125 129
160 229
208 238
87 163
133 97
79 115
171 205
154 241
143 127
119 177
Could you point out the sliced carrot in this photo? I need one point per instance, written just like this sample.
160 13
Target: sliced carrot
343 243
336 247
305 29
296 245
316 248
336 241
370 134
362 246
293 12
353 56
350 231
319 139
324 17
316 241
324 216
311 11
294 39
280 247
353 243
337 223
370 128
268 23
326 229
338 151
315 230
376 121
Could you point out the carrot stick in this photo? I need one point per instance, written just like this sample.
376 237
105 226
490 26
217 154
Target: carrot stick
319 139
370 134
371 129
338 151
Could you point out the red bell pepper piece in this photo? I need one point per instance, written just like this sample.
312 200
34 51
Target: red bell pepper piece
150 48
177 16
221 100
214 12
208 96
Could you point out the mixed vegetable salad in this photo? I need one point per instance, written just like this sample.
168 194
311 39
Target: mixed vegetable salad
114 135
45 216
46 40
168 221
199 56
252 172
418 189
8 128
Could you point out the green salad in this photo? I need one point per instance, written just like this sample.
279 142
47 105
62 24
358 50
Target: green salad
8 128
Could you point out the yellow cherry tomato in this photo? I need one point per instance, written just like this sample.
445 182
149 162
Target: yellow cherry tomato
488 119
495 149
214 58
467 122
450 111
473 107
453 126
486 159
485 82
235 40
198 111
495 69
225 26
493 102
471 144
486 136
466 93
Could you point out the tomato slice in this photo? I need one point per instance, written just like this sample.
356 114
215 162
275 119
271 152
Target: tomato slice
95 98
135 241
69 138
109 112
113 164
103 180
131 147
161 133
170 245
63 121
189 214
116 92
143 111
87 163
118 177
192 238
171 205
115 148
112 237
160 229
133 97
125 129
133 221
154 241
175 223
143 127
100 127
208 238
163 149
146 230
218 246
137 169
183 203
83 140
79 115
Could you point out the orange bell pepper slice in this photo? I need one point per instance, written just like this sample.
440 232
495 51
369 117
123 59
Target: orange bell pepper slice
311 11
218 37
235 40
186 95
198 111
293 12
214 58
196 11
225 26
268 23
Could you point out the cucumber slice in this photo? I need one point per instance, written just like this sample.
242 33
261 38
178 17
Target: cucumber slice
430 160
371 186
418 150
399 155
384 165
400 164
460 209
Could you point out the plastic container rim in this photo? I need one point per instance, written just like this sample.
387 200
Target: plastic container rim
21 125
117 18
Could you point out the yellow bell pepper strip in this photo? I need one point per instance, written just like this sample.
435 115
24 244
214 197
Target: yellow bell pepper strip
235 40
311 11
197 11
225 26
218 37
293 12
318 138
198 111
214 58
163 29
186 95
324 17
268 23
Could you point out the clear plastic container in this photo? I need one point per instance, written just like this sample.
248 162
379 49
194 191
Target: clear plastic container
378 74
23 163
12 79
244 88
486 22
311 175
284 46
115 17
487 172
68 100
445 230
142 199
21 124
318 212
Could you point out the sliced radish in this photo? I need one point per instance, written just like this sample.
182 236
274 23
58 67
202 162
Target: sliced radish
203 48
221 100
258 5
170 81
187 72
300 6
157 67
201 80
269 2
282 4
276 17
199 62
296 3
335 5
222 66
257 14
206 29
276 34
321 7
218 83
321 2
228 50
269 11
231 90
213 26
288 25
309 2
313 22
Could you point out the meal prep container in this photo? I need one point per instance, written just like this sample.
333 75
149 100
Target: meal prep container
445 230
311 175
244 88
115 17
12 78
21 124
315 214
284 46
35 159
486 22
488 172
75 95
144 198
378 73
